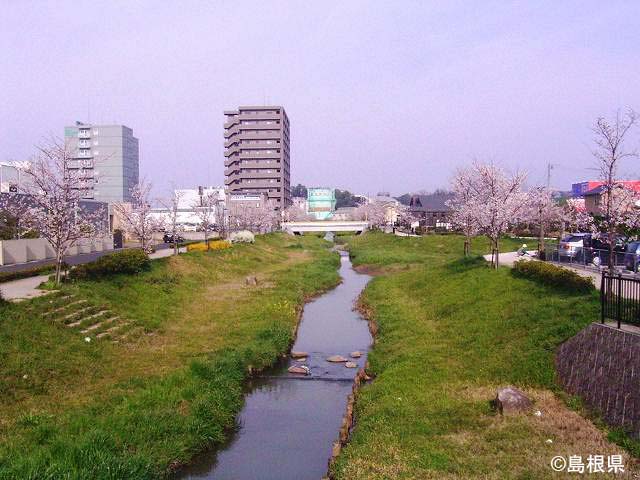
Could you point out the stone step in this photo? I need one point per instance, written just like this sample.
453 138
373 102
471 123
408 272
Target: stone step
111 330
63 308
72 316
97 325
88 320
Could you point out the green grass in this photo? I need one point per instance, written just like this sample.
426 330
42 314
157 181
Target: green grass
138 409
450 332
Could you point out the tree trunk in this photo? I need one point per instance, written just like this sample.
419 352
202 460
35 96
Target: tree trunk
541 254
497 247
611 258
466 246
206 238
58 267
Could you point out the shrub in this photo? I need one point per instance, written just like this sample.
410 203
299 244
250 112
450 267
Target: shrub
243 236
127 261
553 276
213 245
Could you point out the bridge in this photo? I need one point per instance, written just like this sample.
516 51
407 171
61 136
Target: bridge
297 228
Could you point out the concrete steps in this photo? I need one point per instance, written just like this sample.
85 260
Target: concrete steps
94 321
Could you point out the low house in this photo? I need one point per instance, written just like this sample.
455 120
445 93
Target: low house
593 197
431 210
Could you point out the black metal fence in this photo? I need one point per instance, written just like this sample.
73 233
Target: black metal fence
592 258
620 299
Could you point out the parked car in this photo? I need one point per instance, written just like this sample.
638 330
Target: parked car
632 256
571 247
591 248
168 238
190 227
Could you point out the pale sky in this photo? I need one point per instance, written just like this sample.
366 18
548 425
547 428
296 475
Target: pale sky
381 95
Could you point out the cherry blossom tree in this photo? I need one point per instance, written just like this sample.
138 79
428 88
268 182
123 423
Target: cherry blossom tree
575 216
609 151
293 213
50 202
542 210
207 210
172 227
494 201
461 215
136 216
376 213
255 218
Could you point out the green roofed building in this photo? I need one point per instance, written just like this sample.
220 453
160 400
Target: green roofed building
321 202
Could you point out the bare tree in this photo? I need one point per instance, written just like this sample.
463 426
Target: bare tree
136 216
172 204
51 205
609 151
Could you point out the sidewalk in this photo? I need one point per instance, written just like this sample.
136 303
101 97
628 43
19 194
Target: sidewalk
26 288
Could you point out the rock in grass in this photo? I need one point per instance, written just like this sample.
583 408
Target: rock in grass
299 369
251 280
351 365
336 359
511 400
295 354
355 354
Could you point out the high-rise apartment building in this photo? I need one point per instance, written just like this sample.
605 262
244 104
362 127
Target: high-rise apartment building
257 152
108 158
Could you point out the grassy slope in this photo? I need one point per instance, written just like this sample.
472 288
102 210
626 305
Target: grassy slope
132 410
450 332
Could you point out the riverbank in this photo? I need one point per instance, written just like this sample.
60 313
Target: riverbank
141 404
451 331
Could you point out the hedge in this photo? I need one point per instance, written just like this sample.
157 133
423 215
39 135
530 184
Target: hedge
129 261
553 276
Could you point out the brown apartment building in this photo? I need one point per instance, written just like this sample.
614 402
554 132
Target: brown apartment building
257 152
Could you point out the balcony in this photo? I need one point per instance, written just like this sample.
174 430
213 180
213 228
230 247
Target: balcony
231 151
84 133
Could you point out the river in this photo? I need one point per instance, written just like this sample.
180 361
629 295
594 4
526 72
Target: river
289 422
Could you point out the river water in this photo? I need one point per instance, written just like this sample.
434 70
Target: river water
289 422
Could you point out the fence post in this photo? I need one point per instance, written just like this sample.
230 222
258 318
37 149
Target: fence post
619 299
603 298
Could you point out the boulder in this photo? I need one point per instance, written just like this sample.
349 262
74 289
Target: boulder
299 369
295 354
355 354
511 400
336 359
351 365
251 280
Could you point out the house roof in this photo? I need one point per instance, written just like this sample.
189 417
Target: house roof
435 202
632 185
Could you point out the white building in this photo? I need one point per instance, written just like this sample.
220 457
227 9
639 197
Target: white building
189 199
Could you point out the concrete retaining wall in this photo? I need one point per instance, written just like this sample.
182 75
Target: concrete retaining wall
601 364
33 249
